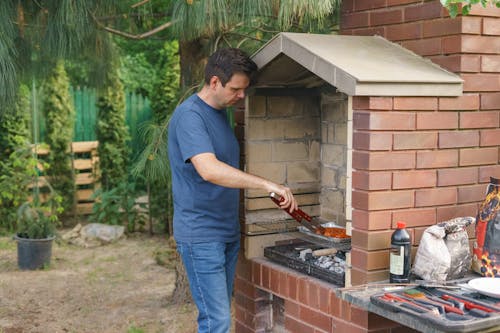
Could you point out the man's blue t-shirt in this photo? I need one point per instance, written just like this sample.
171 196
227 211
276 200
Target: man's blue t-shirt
203 211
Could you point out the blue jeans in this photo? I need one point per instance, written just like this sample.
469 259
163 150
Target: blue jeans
210 267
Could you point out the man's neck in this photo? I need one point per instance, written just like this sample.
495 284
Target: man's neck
206 96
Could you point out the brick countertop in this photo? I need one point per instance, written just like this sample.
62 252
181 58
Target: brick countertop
360 296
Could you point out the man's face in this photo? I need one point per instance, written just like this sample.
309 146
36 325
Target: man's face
233 92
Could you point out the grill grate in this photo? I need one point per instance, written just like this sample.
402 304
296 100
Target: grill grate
271 227
289 256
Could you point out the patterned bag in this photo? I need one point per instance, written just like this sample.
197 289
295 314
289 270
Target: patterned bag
486 252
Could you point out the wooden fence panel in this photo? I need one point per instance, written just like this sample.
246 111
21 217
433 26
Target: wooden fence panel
137 111
86 113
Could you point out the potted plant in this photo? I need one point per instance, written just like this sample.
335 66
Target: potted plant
37 219
36 230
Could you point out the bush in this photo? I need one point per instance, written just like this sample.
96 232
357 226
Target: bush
117 207
112 134
60 118
16 163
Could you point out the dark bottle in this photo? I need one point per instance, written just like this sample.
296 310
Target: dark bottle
400 255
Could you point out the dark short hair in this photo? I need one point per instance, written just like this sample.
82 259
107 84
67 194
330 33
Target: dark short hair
224 63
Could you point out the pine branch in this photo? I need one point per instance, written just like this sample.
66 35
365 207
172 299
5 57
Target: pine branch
246 36
132 36
140 3
120 16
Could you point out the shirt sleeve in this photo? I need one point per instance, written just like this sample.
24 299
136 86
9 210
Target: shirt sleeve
193 136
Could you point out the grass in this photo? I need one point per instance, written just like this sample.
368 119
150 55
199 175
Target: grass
133 329
7 244
166 256
94 275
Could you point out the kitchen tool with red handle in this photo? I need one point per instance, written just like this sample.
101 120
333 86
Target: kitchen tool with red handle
410 306
468 304
448 307
299 215
399 299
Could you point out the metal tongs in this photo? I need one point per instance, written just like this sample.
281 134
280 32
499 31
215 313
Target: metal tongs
300 216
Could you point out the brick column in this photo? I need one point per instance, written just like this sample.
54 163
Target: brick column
427 159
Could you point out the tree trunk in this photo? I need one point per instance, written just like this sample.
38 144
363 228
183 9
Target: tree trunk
181 294
193 58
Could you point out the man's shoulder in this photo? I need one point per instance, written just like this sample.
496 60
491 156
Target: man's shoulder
190 105
187 106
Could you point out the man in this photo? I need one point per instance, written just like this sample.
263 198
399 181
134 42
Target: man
204 158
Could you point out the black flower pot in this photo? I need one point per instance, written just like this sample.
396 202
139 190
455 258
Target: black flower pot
33 253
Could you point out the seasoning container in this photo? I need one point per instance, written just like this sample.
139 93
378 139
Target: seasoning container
400 255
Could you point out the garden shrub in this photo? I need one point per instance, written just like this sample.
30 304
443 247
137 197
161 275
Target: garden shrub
165 94
59 113
17 164
112 134
153 162
117 206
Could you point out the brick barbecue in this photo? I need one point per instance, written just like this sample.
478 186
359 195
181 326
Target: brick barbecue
365 153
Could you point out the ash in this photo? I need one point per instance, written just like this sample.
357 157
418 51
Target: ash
334 263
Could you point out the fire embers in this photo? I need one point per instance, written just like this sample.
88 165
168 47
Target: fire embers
487 245
484 262
488 265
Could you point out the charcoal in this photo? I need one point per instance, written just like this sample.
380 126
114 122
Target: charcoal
330 268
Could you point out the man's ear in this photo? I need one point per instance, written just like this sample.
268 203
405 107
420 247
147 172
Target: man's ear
213 81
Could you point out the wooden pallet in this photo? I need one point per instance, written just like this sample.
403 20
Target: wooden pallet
85 166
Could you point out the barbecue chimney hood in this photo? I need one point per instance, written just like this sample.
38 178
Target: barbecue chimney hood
355 65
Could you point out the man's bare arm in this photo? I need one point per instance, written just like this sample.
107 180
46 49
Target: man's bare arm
212 170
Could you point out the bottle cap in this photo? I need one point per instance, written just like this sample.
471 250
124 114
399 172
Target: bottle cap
401 225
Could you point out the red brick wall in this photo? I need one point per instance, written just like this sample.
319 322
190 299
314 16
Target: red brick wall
423 160
311 306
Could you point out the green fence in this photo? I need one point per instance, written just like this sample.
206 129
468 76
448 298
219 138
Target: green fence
138 110
86 113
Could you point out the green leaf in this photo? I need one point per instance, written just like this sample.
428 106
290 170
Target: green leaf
466 9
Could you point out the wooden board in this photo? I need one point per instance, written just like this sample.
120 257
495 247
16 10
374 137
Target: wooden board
84 178
84 194
82 164
84 208
84 146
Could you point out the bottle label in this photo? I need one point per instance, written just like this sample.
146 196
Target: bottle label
397 260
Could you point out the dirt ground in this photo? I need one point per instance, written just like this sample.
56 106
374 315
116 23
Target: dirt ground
108 289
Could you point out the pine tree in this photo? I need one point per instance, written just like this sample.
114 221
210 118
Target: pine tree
16 164
33 33
112 133
59 113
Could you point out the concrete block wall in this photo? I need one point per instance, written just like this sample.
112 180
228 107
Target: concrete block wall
300 141
334 156
282 137
423 160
